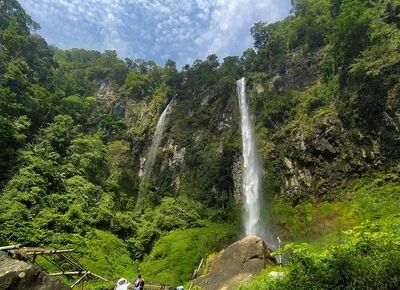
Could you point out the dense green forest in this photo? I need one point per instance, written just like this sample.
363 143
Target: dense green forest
324 89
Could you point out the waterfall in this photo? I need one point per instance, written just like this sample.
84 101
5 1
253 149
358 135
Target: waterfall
251 181
155 142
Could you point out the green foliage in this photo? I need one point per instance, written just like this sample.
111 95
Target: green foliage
117 157
370 198
79 69
365 54
313 104
137 85
140 245
87 155
59 135
367 258
12 11
171 214
177 213
58 188
124 224
174 256
106 255
311 25
308 30
26 64
277 109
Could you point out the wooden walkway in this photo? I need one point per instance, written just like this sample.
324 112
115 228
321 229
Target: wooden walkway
152 287
62 260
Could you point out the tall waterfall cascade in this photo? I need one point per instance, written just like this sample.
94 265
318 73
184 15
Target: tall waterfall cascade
155 142
252 174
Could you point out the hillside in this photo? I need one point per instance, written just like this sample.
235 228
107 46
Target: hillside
76 127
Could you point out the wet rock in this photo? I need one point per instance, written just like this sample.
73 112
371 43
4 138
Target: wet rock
225 122
236 264
171 158
20 275
237 177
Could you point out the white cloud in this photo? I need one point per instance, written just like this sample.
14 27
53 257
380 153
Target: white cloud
184 30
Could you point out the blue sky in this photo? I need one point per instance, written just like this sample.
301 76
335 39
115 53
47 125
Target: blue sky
182 30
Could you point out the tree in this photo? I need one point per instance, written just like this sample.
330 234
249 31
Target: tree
260 34
11 10
137 85
61 133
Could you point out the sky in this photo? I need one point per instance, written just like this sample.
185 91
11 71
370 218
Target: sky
182 30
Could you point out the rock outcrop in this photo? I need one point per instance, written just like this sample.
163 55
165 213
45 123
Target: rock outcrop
319 161
20 275
237 177
236 264
296 71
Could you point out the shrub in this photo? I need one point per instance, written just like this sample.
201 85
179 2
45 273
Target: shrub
177 213
368 258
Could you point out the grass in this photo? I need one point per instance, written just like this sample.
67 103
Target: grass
322 224
175 256
99 252
263 278
171 261
106 255
366 258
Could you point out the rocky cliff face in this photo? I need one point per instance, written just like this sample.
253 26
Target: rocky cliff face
106 91
296 70
316 163
201 148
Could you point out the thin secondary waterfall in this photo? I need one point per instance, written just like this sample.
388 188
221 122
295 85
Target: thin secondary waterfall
251 181
155 142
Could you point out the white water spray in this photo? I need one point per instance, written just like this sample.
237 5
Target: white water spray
251 180
155 142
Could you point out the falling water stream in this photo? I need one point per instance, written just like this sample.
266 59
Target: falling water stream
251 180
152 153
155 142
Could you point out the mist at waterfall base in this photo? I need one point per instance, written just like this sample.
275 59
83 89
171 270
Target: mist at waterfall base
155 144
255 218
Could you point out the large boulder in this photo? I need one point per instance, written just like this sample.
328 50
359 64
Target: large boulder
236 264
19 275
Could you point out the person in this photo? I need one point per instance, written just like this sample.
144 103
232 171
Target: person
139 283
122 284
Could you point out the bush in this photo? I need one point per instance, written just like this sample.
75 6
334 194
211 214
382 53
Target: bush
179 213
142 243
368 258
123 224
